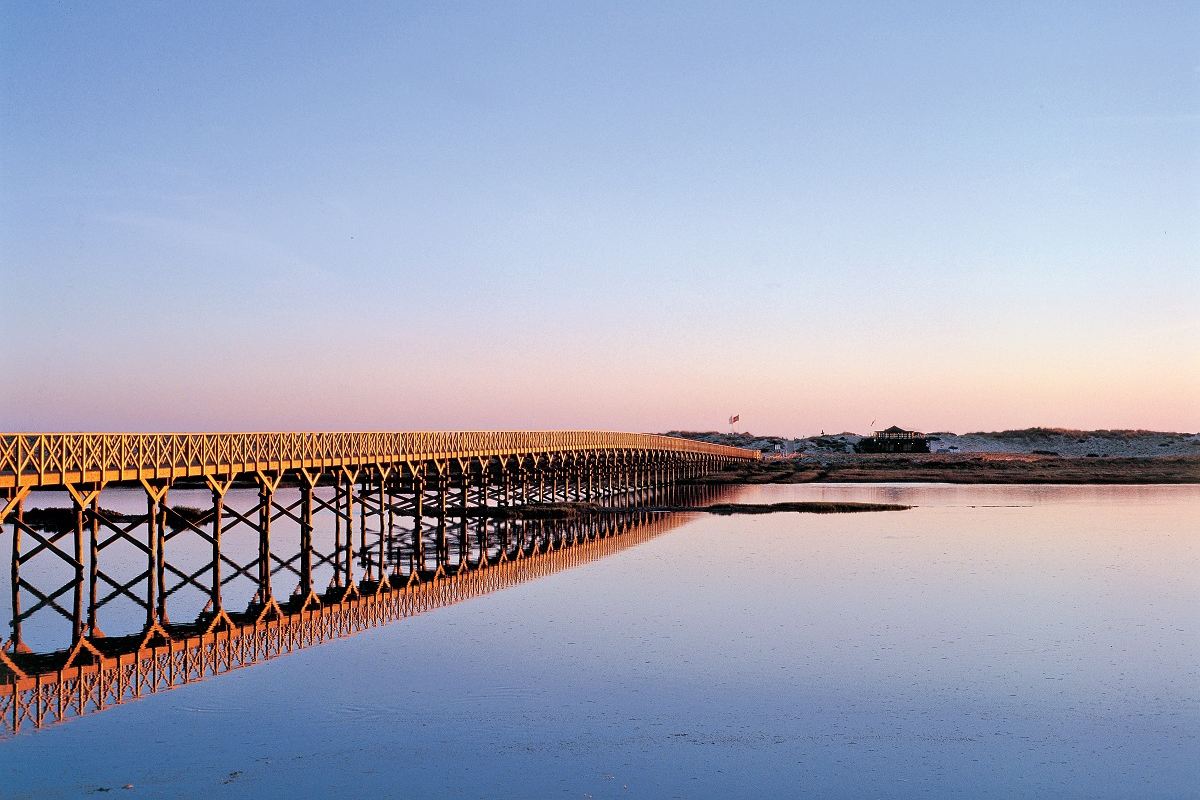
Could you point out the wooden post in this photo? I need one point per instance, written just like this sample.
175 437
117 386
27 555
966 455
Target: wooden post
307 484
77 608
94 568
18 523
443 547
418 549
265 495
153 496
218 489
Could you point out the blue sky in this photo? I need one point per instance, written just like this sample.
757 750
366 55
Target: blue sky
635 216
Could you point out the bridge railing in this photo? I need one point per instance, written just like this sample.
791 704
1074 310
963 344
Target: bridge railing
438 443
47 459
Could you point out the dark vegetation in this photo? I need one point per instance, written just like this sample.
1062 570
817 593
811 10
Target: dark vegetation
573 510
1035 433
190 513
63 519
58 520
535 511
804 508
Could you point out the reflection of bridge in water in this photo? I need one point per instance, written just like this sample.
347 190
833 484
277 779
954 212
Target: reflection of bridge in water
358 529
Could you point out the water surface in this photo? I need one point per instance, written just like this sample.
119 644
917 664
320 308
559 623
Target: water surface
996 641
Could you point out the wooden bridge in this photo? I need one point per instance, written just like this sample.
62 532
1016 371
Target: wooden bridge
295 537
64 459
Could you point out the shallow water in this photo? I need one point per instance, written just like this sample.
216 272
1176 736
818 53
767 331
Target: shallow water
996 641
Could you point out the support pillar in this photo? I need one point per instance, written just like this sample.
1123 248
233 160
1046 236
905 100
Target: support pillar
418 551
81 509
156 601
93 624
464 500
14 505
385 526
308 484
443 547
349 479
218 488
266 500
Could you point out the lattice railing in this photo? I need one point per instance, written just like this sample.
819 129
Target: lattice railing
47 459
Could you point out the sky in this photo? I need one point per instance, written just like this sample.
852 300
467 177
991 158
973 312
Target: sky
626 216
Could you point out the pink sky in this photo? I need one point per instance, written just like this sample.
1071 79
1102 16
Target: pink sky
374 217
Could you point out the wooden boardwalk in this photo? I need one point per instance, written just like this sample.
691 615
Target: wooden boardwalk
57 459
314 528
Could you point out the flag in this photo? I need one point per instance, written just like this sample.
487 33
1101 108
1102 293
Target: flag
734 418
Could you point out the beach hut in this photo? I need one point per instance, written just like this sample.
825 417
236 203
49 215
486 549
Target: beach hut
894 440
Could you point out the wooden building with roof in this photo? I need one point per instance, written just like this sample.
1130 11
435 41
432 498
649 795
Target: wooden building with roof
894 440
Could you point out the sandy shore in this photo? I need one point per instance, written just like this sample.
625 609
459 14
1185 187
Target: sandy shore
963 468
1029 441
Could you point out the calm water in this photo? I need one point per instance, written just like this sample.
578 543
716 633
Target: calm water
994 642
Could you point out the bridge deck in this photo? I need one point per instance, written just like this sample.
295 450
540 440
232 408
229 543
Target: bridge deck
57 459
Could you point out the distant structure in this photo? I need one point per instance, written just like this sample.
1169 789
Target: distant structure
894 440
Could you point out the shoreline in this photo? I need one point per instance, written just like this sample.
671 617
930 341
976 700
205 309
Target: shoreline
963 469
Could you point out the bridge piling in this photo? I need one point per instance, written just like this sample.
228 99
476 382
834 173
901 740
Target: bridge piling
80 507
308 482
17 505
152 549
